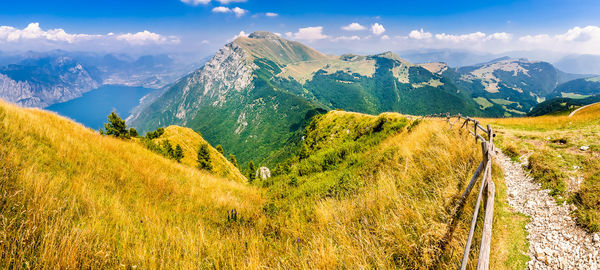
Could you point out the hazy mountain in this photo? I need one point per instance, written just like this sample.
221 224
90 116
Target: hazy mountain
44 81
586 64
454 58
39 79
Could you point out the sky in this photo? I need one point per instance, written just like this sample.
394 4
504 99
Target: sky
203 26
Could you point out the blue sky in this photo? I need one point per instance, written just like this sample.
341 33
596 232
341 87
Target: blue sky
204 25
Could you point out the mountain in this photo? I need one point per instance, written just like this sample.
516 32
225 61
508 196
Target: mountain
507 86
258 92
44 81
370 186
578 88
585 64
190 142
562 105
40 79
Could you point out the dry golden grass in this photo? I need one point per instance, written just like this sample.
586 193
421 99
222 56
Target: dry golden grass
74 199
556 160
190 142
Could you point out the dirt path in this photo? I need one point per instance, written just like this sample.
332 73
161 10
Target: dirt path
555 241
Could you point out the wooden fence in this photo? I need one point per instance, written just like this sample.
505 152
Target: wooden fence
486 137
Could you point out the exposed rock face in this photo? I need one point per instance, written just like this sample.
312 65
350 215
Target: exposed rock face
263 173
55 81
227 71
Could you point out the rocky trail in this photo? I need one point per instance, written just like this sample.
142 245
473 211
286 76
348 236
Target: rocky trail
555 241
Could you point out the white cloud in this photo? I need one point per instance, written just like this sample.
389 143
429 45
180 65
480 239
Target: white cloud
271 14
33 33
385 37
377 29
204 2
239 12
477 36
221 9
195 2
309 34
346 38
354 27
146 37
226 2
419 34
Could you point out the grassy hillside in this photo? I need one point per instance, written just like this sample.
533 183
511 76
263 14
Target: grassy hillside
74 199
190 141
364 191
563 154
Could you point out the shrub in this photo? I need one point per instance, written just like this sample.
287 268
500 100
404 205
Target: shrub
133 132
220 149
251 171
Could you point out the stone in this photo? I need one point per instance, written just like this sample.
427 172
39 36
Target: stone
263 173
584 148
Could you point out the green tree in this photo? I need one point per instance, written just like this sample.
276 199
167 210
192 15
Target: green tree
168 149
133 132
220 149
116 126
155 134
233 160
178 153
204 158
251 171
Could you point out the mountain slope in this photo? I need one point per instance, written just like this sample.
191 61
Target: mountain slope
257 93
72 198
506 86
190 142
579 88
44 81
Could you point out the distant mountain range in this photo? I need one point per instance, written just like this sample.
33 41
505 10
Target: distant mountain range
40 79
257 94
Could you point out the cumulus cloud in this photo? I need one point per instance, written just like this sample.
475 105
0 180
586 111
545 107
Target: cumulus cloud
309 34
33 31
221 10
419 34
354 27
195 2
239 12
146 37
226 2
346 38
34 36
204 2
271 14
377 29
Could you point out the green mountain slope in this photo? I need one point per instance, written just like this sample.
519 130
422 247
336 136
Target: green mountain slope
257 93
579 88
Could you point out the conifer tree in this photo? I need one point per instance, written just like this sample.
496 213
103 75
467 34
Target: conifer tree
220 149
251 171
168 149
116 126
204 158
178 153
233 160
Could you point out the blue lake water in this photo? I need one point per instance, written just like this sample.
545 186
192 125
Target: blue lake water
93 107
